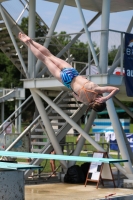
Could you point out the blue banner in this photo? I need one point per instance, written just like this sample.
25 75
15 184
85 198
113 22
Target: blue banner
128 64
114 145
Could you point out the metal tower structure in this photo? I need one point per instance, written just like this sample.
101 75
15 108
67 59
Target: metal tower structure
35 83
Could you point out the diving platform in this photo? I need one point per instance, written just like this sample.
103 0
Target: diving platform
18 166
60 157
96 6
54 85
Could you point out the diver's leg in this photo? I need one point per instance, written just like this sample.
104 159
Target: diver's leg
61 64
55 71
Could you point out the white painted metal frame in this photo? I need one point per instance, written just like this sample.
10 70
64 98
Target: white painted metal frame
128 171
103 66
119 135
31 33
76 126
72 41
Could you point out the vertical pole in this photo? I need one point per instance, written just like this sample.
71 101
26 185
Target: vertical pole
19 117
103 62
31 33
89 59
16 119
119 136
2 112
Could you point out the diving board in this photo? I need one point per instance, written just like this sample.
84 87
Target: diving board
17 166
60 157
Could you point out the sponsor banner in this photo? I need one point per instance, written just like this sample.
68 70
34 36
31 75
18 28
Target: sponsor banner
128 64
114 145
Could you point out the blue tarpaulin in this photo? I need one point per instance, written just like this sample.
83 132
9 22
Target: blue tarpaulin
114 145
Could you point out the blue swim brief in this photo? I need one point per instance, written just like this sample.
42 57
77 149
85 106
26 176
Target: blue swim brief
67 75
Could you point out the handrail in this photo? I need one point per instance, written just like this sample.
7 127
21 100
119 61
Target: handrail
32 124
14 118
15 111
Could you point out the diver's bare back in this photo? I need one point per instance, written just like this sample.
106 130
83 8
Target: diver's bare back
80 81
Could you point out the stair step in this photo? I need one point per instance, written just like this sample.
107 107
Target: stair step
66 111
38 143
35 150
7 49
57 124
3 31
13 51
8 44
38 130
11 44
14 56
41 131
67 105
17 61
39 136
2 43
68 99
6 38
55 117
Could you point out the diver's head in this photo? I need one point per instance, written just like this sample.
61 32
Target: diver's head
98 107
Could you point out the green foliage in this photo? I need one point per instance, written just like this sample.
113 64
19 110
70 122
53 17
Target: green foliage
24 25
79 51
3 61
112 54
39 28
9 74
64 40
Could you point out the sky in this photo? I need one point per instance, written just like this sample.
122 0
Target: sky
70 19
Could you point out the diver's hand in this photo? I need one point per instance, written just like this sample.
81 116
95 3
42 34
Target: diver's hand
101 99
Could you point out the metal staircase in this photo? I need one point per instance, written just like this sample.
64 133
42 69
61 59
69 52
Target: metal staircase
67 104
63 127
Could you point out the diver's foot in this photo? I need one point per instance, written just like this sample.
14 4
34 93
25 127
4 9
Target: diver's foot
24 38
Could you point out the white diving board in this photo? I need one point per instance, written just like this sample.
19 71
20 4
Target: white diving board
59 157
17 166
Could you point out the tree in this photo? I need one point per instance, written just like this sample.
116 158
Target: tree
9 74
112 54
